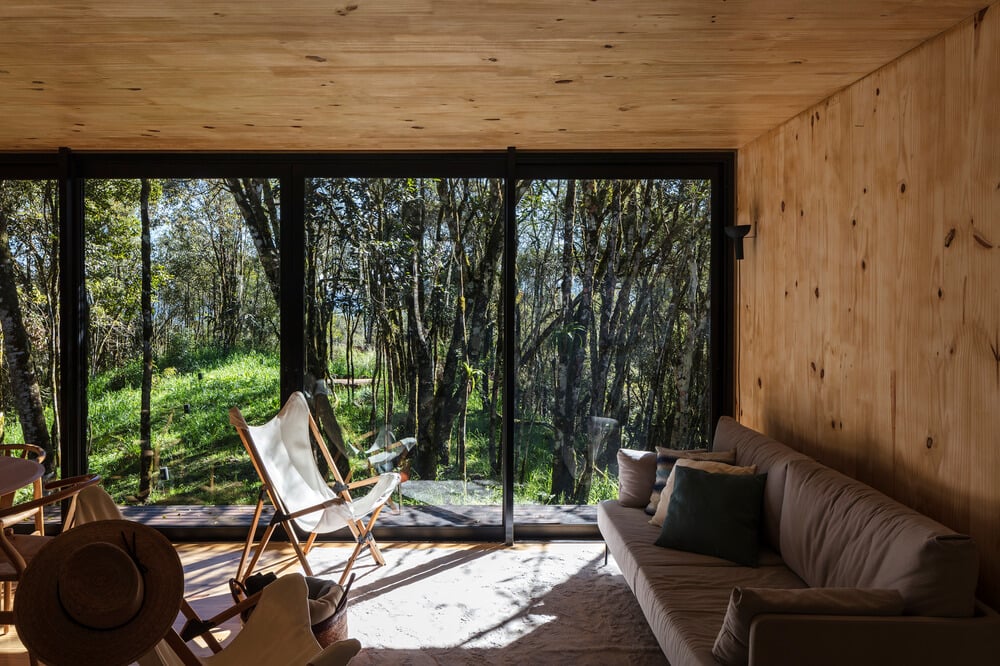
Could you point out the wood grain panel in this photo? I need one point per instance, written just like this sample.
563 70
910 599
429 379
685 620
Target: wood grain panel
435 74
869 301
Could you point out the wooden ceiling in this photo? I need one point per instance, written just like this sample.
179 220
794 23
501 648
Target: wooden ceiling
320 75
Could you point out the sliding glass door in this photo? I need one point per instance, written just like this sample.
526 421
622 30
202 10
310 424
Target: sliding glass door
402 280
492 326
614 303
30 393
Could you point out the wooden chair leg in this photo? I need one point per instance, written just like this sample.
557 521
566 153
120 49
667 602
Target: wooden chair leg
372 544
191 614
181 649
243 575
7 585
294 539
250 537
350 562
309 542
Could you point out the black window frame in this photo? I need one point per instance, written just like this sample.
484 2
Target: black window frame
72 168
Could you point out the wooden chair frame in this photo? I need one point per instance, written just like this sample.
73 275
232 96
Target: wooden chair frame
66 489
360 530
25 452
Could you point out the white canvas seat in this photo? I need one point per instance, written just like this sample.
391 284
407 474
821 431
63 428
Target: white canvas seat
282 453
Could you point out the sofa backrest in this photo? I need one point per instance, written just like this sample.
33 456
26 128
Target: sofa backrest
838 532
770 457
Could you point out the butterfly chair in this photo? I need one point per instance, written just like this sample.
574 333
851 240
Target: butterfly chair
19 549
281 451
277 613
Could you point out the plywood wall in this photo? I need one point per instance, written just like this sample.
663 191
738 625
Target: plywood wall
869 300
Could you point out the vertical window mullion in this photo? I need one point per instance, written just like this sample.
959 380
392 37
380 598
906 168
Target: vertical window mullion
292 305
510 343
73 319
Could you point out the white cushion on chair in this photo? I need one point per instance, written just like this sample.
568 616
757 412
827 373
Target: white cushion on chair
278 632
285 447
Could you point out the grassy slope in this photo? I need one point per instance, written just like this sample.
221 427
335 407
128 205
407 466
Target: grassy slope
205 459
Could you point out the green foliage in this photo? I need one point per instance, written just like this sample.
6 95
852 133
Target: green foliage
206 461
612 277
363 360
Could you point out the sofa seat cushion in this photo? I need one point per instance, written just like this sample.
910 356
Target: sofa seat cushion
630 538
685 605
838 532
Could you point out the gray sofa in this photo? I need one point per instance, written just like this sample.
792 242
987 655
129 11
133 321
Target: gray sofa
819 529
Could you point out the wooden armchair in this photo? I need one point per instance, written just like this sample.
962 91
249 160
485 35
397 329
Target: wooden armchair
26 452
18 549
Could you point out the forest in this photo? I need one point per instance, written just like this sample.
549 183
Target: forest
403 325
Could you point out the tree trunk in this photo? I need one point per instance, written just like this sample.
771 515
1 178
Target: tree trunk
593 219
570 365
257 204
684 434
27 397
146 305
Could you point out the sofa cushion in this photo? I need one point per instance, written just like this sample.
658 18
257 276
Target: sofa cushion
745 603
704 465
770 457
714 514
685 605
665 459
630 537
838 532
636 473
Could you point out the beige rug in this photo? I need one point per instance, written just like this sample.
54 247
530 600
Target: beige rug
534 603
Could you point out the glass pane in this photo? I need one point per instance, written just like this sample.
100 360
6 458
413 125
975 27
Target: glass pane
29 315
402 292
166 368
613 330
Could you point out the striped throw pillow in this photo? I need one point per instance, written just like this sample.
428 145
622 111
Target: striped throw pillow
665 459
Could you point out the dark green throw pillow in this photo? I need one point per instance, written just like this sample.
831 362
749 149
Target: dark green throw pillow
714 514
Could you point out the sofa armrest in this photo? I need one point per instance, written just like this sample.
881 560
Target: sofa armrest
849 639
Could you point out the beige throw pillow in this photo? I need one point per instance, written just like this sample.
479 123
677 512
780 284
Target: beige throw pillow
705 465
636 473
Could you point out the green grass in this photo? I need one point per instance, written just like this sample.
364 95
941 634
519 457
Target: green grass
190 427
207 464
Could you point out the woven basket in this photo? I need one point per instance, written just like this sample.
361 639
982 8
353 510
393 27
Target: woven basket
327 632
332 629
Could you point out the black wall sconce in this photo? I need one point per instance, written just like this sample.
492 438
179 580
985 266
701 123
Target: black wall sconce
737 233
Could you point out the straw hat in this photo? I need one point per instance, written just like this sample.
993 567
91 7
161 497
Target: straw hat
101 593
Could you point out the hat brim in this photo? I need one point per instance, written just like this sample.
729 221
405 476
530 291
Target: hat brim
56 639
